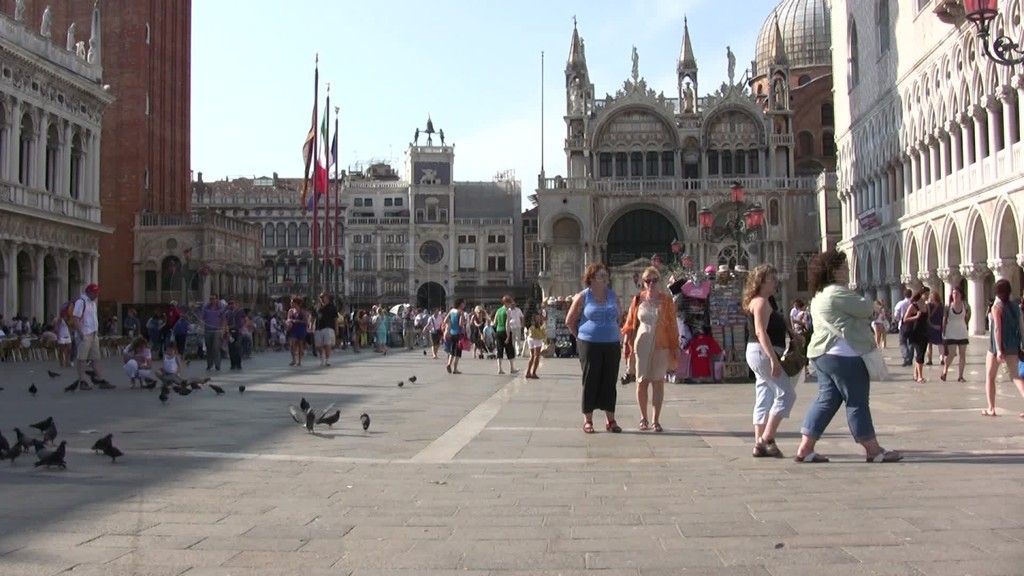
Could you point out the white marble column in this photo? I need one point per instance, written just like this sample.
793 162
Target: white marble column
38 177
63 291
1007 96
1006 269
895 293
995 127
975 275
64 159
11 281
14 146
956 146
38 283
980 134
950 279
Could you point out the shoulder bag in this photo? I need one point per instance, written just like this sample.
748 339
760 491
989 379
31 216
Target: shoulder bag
873 360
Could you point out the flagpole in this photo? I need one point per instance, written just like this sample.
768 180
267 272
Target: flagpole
327 191
316 91
337 206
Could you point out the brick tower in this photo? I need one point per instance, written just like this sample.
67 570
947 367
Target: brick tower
145 159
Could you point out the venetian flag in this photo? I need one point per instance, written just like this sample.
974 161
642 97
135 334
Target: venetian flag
310 144
320 170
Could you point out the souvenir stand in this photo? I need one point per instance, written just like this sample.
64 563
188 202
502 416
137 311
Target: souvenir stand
729 324
560 338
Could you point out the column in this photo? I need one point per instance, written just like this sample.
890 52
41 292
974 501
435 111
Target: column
38 283
14 145
956 143
1006 269
994 128
940 136
950 279
37 177
64 181
980 135
1007 96
934 158
11 281
966 126
92 182
895 293
915 173
975 275
930 279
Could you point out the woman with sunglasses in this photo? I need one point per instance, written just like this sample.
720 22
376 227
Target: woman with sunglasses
652 339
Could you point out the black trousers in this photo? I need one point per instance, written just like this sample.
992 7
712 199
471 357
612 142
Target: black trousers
600 363
235 349
505 345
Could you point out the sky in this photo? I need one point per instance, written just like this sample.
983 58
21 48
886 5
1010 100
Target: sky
473 66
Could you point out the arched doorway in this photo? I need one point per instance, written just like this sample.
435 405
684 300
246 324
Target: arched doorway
51 289
24 284
431 295
74 279
639 233
4 297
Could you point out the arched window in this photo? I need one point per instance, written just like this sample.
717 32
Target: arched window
773 212
828 145
753 163
853 56
25 150
712 162
169 273
691 213
303 234
621 170
293 235
805 144
52 154
803 79
636 164
828 114
651 170
801 275
727 162
282 239
604 165
77 152
268 235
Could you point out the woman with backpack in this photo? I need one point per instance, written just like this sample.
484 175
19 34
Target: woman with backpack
917 328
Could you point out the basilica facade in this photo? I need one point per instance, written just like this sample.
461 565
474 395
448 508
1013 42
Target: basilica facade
930 151
644 168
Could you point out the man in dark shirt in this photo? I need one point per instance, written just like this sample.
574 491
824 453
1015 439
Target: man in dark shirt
326 326
235 319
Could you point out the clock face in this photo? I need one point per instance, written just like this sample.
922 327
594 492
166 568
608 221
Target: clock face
431 252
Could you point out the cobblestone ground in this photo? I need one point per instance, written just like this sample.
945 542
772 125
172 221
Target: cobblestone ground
478 474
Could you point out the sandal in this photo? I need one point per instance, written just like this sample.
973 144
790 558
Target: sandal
644 425
759 451
612 426
588 427
811 458
772 449
961 379
987 412
885 456
942 377
657 427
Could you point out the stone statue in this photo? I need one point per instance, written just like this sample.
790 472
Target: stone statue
44 30
91 57
19 11
688 98
732 63
80 49
70 46
440 134
416 137
778 90
636 65
575 96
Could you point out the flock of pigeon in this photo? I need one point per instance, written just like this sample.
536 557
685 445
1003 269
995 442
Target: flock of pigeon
50 456
305 415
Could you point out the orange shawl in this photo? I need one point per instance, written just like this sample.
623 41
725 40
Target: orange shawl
666 335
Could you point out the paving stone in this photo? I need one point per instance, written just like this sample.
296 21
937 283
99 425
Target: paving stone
115 570
183 558
665 559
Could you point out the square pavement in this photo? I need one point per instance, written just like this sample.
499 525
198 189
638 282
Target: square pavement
481 474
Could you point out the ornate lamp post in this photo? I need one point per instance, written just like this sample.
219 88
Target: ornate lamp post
1003 50
739 226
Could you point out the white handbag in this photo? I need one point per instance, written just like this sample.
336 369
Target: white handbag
873 360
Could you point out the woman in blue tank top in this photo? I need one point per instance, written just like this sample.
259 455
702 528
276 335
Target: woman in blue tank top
1006 331
594 320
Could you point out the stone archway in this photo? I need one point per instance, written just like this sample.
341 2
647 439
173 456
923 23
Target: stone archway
639 233
74 279
51 288
25 284
565 262
1008 245
431 295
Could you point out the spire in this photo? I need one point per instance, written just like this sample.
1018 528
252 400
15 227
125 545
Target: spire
577 57
686 59
779 57
94 36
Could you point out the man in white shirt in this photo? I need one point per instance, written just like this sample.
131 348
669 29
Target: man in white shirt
86 324
515 328
898 312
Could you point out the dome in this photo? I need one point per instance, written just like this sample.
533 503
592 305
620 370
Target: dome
806 35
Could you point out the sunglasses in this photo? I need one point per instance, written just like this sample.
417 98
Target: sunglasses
650 280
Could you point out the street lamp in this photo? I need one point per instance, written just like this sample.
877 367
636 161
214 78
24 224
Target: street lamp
1003 50
740 225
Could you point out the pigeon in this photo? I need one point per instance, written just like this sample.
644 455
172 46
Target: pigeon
330 419
184 390
4 446
43 425
401 383
297 415
113 452
149 383
53 374
102 443
53 458
365 419
241 388
32 389
216 389
303 405
22 440
14 452
194 384
424 352
50 434
39 446
310 420
412 379
163 396
73 386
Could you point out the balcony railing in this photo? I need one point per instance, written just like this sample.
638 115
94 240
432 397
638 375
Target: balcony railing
379 221
483 221
197 220
673 185
48 203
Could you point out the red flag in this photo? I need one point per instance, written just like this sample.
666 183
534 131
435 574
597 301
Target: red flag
310 144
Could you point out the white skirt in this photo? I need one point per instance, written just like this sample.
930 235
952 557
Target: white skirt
534 343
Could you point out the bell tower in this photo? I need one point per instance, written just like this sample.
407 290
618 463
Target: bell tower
579 99
778 108
686 74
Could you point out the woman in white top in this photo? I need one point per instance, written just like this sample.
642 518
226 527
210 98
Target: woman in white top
63 341
954 333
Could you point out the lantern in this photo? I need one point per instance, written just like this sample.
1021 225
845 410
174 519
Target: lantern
737 192
656 261
981 12
676 247
687 261
754 217
706 218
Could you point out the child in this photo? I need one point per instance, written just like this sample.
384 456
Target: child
535 339
171 371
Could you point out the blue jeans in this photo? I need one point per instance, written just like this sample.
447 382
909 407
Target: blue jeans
906 349
840 379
